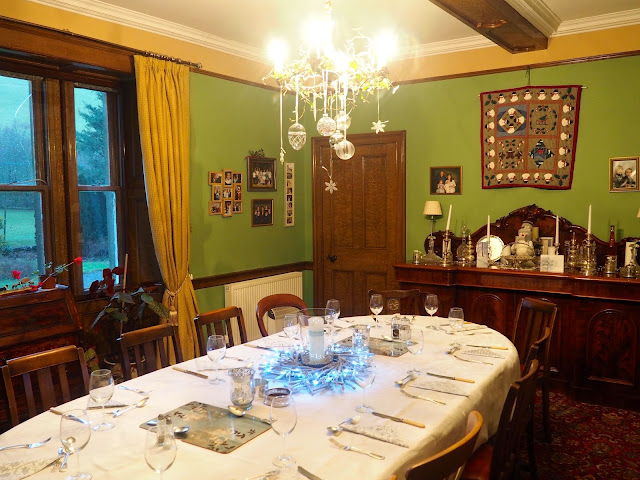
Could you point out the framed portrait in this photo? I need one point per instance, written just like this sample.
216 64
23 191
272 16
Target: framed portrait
215 178
445 180
228 178
237 177
227 208
623 173
261 174
237 207
215 208
261 212
216 193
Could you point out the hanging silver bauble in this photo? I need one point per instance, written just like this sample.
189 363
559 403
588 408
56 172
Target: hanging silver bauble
297 136
345 149
336 138
326 125
343 120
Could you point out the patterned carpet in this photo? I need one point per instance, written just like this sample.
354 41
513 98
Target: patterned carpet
590 442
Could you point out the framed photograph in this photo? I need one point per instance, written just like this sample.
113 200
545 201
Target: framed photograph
289 212
237 177
216 193
227 193
261 174
261 212
237 207
228 178
445 180
227 208
237 193
623 174
215 178
215 208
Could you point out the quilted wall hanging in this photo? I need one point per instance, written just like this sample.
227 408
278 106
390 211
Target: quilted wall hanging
529 136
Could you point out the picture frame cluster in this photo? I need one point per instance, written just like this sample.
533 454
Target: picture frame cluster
226 193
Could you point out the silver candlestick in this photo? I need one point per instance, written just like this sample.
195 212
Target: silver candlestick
447 256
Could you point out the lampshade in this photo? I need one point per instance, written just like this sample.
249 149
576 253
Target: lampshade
432 207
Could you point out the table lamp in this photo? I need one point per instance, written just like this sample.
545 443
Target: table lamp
433 208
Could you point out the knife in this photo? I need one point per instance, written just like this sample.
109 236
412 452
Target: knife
308 474
256 346
436 390
398 419
488 346
57 411
460 379
183 370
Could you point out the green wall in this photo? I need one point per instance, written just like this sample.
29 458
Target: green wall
442 123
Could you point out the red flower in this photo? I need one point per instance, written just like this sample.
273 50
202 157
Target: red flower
33 288
77 260
16 274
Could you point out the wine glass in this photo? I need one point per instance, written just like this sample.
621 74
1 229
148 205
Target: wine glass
290 325
456 319
415 344
75 432
375 305
334 305
101 391
431 304
365 374
283 419
160 449
216 350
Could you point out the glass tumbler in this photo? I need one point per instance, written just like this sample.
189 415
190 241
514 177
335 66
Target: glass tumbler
241 387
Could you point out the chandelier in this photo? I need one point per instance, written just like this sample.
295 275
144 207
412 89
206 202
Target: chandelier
331 82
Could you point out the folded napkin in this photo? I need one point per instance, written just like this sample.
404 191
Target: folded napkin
453 387
25 468
382 433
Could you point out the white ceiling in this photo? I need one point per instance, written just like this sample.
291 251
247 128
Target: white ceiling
245 27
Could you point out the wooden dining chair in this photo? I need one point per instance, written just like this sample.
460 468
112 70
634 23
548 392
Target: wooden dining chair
144 343
446 463
218 322
532 318
498 459
69 363
405 302
279 300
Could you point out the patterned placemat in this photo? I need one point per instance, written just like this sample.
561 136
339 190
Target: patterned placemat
380 346
214 428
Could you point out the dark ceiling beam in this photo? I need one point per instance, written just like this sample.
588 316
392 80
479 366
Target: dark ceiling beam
498 21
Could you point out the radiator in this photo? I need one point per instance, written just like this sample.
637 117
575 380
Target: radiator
247 294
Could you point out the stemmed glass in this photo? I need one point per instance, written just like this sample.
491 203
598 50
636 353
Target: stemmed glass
290 325
415 344
160 449
75 432
431 304
101 391
365 374
283 417
216 350
456 319
334 305
375 305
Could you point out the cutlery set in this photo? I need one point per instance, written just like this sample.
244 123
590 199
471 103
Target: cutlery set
355 449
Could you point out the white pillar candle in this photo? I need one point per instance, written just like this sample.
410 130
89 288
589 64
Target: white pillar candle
589 223
449 218
557 231
316 339
488 235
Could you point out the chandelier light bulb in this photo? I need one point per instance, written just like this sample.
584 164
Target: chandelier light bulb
326 125
297 136
343 120
277 52
345 149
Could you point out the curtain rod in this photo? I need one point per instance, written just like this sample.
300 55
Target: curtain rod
171 59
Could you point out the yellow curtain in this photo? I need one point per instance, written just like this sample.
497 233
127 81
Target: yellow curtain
163 114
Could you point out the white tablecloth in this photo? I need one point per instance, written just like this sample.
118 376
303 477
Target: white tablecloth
118 453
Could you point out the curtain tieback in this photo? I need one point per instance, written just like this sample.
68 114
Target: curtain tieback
173 314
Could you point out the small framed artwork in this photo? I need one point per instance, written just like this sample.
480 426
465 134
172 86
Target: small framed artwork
623 174
261 174
237 193
215 208
445 180
227 208
237 177
215 178
237 207
261 212
288 194
228 178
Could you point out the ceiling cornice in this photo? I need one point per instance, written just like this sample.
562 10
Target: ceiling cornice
540 17
539 14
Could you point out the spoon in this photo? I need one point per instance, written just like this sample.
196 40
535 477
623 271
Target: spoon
239 412
176 430
337 430
139 404
389 339
405 380
63 465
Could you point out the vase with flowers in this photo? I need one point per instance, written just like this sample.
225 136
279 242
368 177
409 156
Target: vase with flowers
46 280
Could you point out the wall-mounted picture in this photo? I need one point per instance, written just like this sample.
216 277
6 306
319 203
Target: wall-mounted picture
290 178
228 178
216 193
261 212
237 207
445 180
261 174
215 178
227 208
237 177
215 208
623 174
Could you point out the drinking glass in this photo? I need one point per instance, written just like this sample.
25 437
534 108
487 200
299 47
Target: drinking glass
365 374
334 305
431 304
101 391
216 350
290 325
415 344
375 305
75 432
160 449
283 419
456 319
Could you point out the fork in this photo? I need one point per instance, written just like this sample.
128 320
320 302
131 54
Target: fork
136 390
411 395
27 445
355 449
234 358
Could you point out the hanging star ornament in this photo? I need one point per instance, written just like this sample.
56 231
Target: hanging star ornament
379 126
331 186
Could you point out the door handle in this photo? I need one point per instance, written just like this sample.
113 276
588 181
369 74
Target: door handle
332 258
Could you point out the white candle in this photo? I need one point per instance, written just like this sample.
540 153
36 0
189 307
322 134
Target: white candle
488 234
589 223
557 232
449 218
316 339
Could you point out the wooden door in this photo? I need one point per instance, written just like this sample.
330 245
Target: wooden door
359 229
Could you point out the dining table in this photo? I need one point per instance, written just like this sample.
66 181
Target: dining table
461 371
